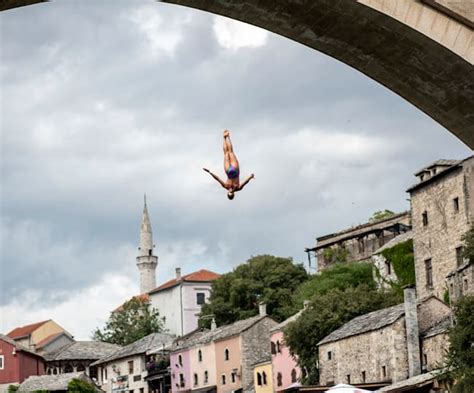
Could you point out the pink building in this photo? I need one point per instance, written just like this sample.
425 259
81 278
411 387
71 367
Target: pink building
284 366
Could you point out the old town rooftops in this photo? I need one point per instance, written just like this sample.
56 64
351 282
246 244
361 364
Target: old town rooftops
220 333
82 350
52 382
26 330
359 230
202 275
138 347
18 347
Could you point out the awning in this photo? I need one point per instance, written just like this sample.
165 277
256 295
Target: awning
413 382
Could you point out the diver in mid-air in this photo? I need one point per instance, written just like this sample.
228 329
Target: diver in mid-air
231 168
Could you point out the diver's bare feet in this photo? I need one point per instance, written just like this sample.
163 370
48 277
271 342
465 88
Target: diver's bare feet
226 133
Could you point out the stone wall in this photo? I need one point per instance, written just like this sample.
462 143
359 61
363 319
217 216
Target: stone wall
461 282
366 353
255 349
433 350
441 236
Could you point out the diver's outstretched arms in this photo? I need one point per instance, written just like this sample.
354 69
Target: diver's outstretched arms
218 179
252 176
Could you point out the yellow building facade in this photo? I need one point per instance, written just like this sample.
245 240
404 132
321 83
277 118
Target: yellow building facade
262 376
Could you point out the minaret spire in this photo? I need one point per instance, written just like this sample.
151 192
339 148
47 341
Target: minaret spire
146 261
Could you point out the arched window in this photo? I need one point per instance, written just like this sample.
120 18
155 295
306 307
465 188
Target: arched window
279 379
223 379
278 347
293 376
200 355
226 354
273 348
264 378
196 381
180 360
206 377
259 379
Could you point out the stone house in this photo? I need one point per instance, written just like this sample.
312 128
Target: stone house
384 345
285 370
17 363
30 335
222 359
179 300
384 272
126 368
262 376
78 356
359 242
442 205
53 383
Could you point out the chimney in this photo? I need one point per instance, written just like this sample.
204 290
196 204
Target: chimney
411 324
213 324
262 309
178 273
306 304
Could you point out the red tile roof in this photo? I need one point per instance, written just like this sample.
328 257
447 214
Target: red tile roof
25 330
202 275
144 297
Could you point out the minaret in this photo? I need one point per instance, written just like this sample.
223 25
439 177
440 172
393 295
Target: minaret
146 261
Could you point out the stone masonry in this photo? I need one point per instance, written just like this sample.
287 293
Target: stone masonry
442 206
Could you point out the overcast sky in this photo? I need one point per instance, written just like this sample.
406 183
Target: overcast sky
103 102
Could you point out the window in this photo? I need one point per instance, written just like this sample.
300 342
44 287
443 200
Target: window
466 285
456 205
81 368
206 376
105 371
273 348
459 258
223 379
425 359
226 354
130 367
388 268
259 379
180 360
137 378
348 378
233 376
361 245
425 218
181 380
200 355
279 379
196 381
142 390
68 369
329 355
1 362
429 273
278 347
293 376
363 376
264 378
384 372
200 298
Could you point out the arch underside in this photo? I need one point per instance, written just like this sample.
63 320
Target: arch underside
427 74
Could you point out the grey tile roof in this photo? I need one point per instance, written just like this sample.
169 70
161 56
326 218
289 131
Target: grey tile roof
396 240
440 162
82 350
416 381
220 333
287 321
18 346
366 323
439 328
141 346
52 382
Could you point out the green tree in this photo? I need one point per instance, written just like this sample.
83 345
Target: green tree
79 386
134 320
381 215
468 249
460 357
266 278
12 388
341 276
328 312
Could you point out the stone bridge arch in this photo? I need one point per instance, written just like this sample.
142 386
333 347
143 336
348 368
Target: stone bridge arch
423 50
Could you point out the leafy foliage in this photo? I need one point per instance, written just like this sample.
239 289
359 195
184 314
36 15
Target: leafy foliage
468 249
13 388
267 278
340 276
381 215
336 255
402 258
328 312
134 320
460 357
79 386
